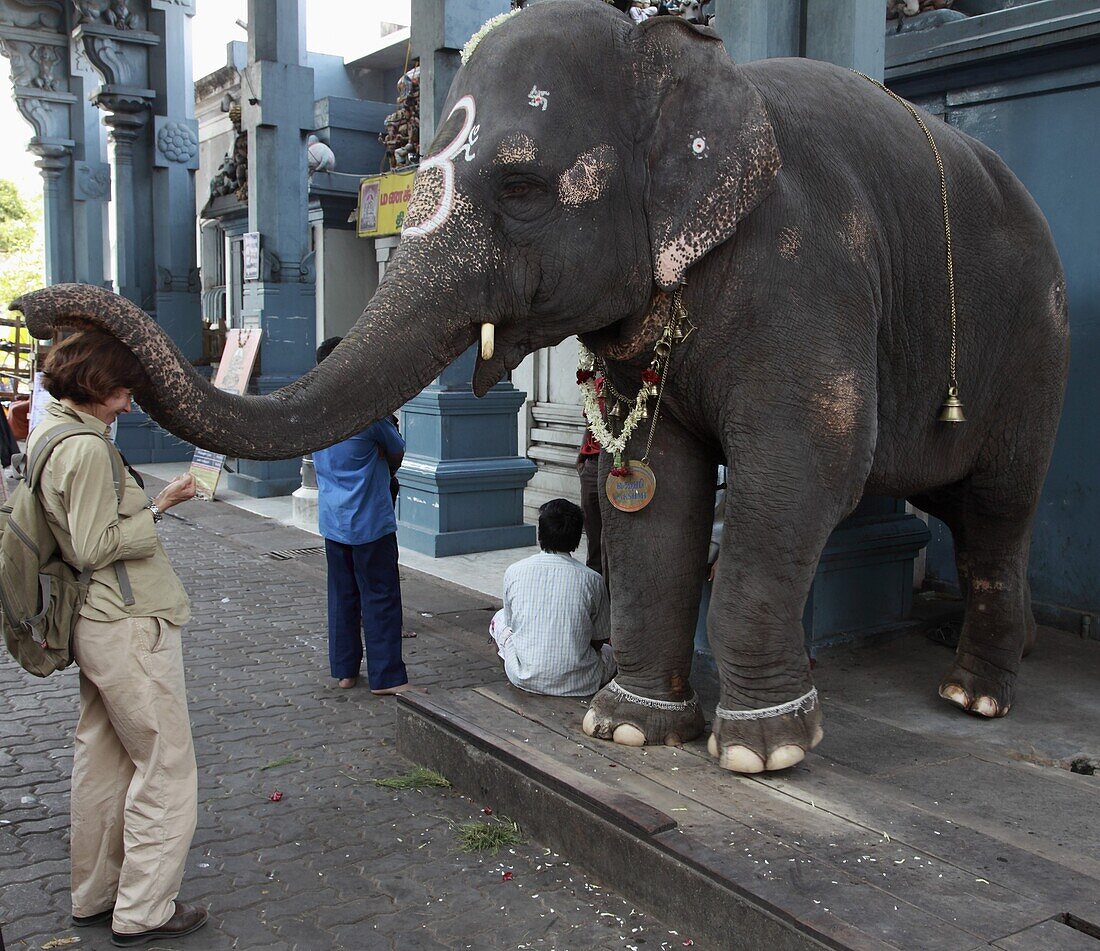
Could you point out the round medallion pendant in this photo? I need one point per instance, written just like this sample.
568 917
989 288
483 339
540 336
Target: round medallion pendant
633 491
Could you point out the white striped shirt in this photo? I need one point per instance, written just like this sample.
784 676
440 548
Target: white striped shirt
555 607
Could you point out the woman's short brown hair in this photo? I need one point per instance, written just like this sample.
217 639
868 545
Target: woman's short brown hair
89 366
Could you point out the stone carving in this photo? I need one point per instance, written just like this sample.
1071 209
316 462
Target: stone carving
177 142
402 135
319 156
119 64
33 65
91 181
34 14
114 13
231 178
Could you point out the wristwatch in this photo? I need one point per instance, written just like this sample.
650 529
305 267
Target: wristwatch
155 510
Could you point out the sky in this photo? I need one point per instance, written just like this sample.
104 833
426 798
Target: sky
342 27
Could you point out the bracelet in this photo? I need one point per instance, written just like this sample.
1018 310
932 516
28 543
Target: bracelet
803 704
154 509
677 705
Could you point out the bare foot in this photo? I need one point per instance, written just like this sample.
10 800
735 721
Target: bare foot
348 682
388 691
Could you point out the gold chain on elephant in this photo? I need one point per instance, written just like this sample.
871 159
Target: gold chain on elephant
631 484
952 409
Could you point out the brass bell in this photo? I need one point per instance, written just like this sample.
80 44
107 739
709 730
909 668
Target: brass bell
644 414
952 409
616 410
651 389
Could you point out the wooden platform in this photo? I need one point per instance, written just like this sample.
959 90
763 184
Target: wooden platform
887 837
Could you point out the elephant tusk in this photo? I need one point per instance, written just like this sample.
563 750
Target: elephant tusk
487 331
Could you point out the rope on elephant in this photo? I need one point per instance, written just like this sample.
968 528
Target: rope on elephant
803 704
678 705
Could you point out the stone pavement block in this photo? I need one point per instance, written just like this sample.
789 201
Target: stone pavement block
302 934
259 690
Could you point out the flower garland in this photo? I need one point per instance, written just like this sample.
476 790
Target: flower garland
652 384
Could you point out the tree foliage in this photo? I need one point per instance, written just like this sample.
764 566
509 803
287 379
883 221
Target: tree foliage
18 222
22 265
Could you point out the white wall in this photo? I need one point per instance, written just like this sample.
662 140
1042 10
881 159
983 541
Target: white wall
350 275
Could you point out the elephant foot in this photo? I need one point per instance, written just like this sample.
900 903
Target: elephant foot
633 720
752 741
978 687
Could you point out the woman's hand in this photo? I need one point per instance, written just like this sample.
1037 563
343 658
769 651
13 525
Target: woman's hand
180 489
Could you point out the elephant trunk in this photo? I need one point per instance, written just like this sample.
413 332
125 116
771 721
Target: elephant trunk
390 354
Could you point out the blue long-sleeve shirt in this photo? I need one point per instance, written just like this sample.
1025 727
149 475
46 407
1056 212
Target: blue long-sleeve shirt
354 505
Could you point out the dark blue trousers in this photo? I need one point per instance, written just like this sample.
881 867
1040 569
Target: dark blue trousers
364 607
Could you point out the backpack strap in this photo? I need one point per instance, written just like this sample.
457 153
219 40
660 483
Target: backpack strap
36 462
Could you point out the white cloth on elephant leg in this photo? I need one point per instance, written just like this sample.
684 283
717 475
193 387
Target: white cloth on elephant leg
554 607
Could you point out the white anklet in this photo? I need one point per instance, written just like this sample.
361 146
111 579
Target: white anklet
803 704
676 705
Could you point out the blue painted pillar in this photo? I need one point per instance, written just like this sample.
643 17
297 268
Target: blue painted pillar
462 481
37 49
91 178
277 110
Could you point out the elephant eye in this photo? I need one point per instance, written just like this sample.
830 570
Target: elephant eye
517 190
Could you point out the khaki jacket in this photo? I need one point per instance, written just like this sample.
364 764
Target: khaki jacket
94 530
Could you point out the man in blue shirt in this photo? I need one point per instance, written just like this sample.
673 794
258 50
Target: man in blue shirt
355 515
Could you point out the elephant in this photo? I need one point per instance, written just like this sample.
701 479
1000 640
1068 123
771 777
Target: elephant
591 177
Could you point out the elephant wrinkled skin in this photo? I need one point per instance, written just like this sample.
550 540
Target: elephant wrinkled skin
584 163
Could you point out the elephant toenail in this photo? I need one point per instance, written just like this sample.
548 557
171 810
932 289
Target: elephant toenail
784 756
819 735
712 745
740 759
628 735
955 694
985 706
673 740
588 724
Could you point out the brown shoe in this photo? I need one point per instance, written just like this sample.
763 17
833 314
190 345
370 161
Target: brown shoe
185 919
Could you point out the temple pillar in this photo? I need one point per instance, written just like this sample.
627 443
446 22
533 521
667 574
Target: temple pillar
277 111
33 40
175 135
91 177
462 481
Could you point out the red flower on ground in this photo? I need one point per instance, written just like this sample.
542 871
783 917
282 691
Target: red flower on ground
507 877
275 796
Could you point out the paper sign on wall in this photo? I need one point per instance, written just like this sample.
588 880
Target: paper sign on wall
234 372
250 251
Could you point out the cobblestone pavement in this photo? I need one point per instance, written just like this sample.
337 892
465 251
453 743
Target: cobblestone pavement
338 862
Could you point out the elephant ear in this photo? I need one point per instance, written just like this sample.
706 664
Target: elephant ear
712 155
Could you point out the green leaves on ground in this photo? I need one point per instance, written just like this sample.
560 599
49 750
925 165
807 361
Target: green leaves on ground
284 761
419 778
492 836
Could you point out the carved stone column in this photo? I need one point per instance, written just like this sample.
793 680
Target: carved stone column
91 176
33 40
118 49
277 110
175 160
141 53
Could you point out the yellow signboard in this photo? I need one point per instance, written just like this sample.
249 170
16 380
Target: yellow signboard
383 200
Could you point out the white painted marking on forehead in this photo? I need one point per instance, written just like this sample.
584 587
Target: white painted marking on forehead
444 161
538 97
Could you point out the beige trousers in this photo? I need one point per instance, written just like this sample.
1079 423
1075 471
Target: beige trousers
135 785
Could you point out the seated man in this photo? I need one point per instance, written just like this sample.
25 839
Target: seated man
556 619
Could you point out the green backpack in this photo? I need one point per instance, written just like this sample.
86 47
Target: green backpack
40 595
